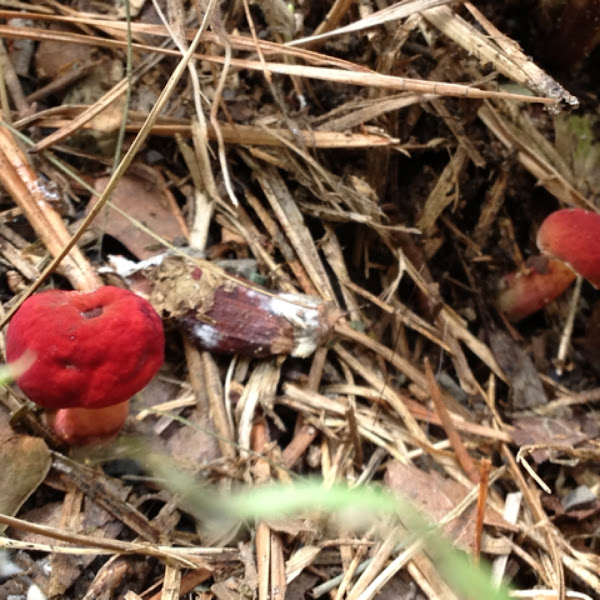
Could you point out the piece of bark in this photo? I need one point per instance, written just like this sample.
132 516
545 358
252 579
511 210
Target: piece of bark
220 312
524 380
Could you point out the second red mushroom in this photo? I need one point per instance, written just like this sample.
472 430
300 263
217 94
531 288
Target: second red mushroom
570 239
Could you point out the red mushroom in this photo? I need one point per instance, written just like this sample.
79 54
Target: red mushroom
524 292
570 239
93 351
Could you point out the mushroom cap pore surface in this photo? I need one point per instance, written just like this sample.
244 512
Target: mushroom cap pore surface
92 350
573 236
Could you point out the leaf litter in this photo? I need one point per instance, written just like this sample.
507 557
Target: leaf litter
321 200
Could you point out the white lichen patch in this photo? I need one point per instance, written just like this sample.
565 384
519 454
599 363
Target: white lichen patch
208 335
126 268
304 314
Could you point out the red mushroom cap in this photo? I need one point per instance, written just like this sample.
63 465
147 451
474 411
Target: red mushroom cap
92 350
573 236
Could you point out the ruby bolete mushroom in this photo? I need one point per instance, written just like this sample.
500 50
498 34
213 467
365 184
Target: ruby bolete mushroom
570 239
93 351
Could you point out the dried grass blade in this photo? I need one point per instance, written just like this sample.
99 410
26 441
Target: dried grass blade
292 223
502 53
537 164
27 190
400 10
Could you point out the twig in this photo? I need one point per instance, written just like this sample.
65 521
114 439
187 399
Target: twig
462 456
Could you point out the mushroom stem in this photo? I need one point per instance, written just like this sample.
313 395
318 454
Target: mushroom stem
84 426
565 338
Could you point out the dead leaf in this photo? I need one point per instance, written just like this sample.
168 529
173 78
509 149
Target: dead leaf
552 431
293 526
50 514
554 505
417 486
47 515
521 373
145 201
24 462
192 443
55 58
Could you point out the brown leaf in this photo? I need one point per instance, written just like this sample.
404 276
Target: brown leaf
24 462
551 431
519 368
553 504
47 515
55 58
193 443
50 514
437 496
145 201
